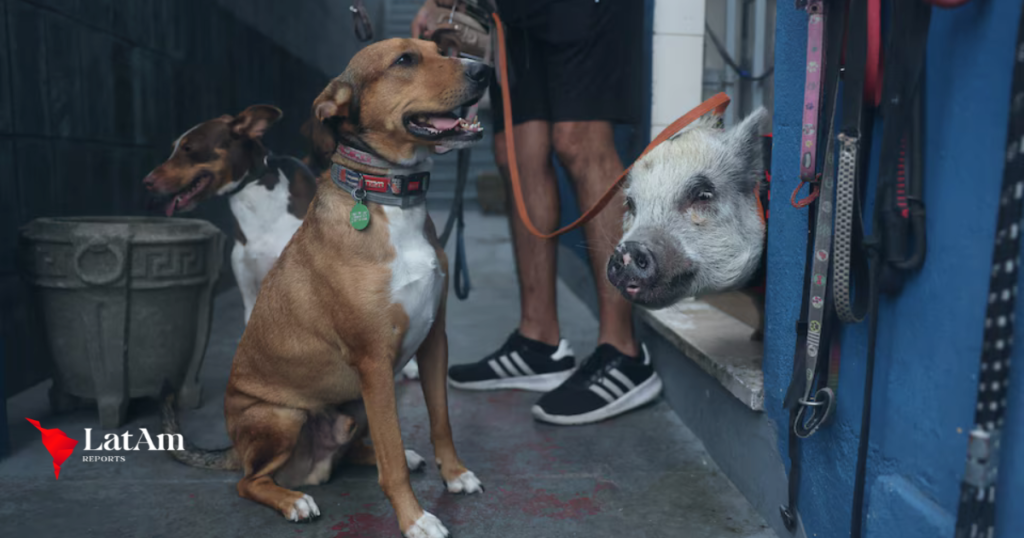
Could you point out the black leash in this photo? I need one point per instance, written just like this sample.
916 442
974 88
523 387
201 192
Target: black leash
976 514
886 247
456 215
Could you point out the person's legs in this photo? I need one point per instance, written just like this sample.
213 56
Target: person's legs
592 84
587 150
534 357
535 257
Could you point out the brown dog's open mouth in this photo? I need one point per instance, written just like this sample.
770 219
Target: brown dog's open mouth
184 197
438 126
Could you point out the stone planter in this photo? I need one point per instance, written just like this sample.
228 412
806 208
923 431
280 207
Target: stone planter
127 303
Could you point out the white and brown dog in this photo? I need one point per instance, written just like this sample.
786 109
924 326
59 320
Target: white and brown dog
360 288
225 156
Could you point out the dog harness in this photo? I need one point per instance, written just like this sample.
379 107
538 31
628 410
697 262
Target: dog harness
404 187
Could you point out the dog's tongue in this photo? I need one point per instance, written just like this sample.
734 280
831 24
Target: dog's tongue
171 206
443 123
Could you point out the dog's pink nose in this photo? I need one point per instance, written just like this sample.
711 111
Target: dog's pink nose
149 181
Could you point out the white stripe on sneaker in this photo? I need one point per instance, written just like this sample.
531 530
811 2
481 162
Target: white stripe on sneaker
564 350
602 393
608 384
508 366
621 378
523 367
497 369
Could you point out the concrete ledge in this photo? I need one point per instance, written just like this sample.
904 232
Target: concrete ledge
718 343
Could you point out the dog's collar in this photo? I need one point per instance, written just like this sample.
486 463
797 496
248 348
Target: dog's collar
252 174
402 190
366 158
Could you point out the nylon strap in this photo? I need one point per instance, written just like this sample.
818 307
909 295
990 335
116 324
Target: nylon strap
976 514
905 54
814 68
849 227
805 368
716 104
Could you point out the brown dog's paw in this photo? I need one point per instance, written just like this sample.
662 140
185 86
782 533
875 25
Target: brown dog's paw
466 482
427 526
303 510
414 461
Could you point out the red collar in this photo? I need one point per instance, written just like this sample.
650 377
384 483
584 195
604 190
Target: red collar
403 190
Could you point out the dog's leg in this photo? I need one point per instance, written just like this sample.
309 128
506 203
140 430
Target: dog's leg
377 381
433 354
270 437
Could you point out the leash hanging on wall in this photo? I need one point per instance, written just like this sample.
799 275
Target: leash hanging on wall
976 514
896 245
847 270
810 397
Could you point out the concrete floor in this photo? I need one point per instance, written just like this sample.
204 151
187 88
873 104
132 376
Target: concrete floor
642 475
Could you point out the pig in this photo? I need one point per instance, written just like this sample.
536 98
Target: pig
692 223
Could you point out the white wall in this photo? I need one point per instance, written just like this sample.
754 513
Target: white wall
678 63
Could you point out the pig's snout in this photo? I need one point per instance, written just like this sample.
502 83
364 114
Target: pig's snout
632 268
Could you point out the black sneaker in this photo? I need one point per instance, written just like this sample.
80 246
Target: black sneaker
608 384
520 363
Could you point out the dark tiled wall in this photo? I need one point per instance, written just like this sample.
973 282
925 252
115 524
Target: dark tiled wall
93 92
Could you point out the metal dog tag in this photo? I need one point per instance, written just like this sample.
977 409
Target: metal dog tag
360 216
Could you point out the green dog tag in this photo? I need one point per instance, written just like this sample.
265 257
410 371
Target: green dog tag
360 216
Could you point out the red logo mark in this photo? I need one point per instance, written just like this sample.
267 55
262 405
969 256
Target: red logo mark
59 446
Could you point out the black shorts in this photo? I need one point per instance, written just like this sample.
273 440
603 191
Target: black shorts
572 60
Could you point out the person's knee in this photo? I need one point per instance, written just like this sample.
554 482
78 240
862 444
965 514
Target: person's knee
570 142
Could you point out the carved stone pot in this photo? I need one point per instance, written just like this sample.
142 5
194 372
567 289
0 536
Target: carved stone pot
127 303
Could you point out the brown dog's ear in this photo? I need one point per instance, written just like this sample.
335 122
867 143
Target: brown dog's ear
321 140
334 101
254 121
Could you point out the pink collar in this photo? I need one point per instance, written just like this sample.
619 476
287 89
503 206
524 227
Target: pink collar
369 159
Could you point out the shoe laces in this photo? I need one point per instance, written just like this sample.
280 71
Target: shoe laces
598 363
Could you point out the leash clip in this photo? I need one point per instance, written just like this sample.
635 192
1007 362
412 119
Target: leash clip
359 193
821 405
982 458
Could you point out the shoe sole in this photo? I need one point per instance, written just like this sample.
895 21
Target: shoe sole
533 383
642 394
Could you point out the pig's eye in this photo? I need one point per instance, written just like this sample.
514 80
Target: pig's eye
700 190
630 205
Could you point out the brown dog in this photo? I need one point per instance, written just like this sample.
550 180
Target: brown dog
343 309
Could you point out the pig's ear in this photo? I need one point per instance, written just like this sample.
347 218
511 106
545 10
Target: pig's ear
745 141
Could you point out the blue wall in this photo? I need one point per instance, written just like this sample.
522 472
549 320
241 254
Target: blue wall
929 340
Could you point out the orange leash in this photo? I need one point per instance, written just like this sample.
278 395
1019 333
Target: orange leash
717 104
